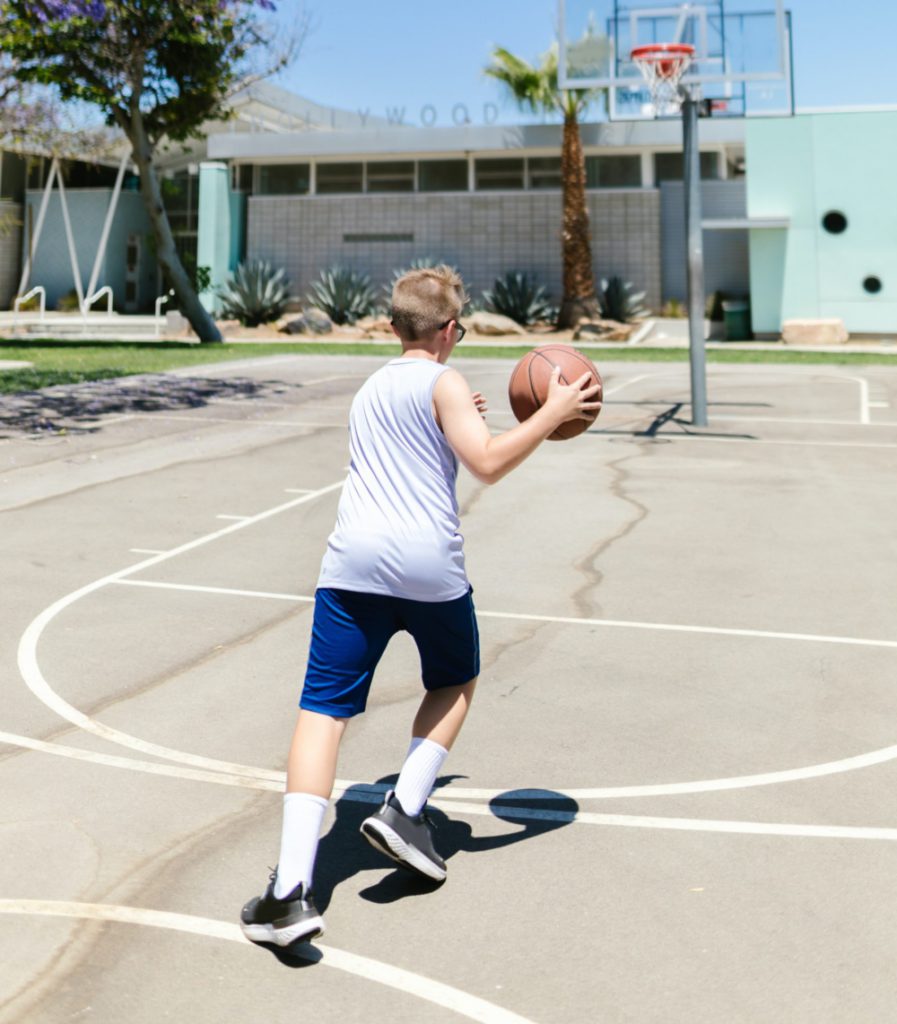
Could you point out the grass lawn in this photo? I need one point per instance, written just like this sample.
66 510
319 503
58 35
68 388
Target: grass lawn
65 362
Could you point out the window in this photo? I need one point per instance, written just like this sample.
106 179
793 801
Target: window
336 178
391 176
442 176
613 171
242 177
544 171
283 179
668 167
180 195
499 174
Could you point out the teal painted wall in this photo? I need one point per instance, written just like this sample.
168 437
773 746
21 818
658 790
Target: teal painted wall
802 168
87 210
214 248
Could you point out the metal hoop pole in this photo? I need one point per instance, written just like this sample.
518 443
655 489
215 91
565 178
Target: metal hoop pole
695 248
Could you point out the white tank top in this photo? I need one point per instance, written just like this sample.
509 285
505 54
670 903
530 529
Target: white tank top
397 525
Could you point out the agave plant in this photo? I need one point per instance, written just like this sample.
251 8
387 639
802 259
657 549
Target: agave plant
420 263
255 294
346 296
519 296
617 301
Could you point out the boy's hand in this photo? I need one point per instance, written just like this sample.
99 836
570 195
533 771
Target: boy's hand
573 401
479 401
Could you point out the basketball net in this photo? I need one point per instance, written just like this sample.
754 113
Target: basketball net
662 66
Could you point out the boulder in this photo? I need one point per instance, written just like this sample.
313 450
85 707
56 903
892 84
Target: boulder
602 330
376 326
312 321
228 326
492 324
176 322
814 332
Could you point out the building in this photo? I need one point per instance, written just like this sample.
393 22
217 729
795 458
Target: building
307 187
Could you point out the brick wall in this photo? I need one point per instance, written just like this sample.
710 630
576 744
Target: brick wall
484 235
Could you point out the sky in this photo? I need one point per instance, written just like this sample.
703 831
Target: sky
427 57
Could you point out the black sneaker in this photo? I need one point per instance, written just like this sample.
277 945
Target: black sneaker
403 838
295 918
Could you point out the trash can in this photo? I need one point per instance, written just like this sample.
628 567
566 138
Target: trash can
737 319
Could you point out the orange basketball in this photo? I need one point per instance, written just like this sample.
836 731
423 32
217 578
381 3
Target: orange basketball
528 387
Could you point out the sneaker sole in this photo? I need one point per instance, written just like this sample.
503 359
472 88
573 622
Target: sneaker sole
388 841
303 931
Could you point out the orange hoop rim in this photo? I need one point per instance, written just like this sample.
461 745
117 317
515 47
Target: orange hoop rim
657 51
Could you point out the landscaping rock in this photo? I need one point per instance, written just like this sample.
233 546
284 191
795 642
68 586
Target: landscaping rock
602 330
814 332
492 324
312 321
375 326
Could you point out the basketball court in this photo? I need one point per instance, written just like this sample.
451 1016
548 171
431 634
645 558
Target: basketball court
673 800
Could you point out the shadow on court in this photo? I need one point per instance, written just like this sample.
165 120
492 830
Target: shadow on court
344 853
77 407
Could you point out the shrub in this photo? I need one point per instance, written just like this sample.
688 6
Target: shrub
519 296
713 308
67 303
421 263
674 308
256 294
343 294
618 302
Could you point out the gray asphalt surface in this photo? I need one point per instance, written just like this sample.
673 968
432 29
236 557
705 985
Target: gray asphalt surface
673 800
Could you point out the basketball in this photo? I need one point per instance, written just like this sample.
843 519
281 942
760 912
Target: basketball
528 387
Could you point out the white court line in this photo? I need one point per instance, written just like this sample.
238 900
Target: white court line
436 992
248 422
296 490
800 422
147 767
663 437
854 763
35 681
236 519
565 620
451 801
146 551
836 376
214 590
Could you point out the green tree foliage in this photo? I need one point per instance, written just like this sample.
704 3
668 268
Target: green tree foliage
535 87
156 69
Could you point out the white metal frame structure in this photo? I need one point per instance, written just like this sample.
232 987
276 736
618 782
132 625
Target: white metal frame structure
85 300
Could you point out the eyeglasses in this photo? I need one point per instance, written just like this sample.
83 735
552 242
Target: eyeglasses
458 327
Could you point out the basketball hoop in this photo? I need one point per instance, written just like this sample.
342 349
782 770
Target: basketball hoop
662 66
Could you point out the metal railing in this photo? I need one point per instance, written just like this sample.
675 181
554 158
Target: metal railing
89 300
160 302
39 290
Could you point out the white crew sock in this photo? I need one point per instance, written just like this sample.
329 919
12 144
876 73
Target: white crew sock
303 815
418 774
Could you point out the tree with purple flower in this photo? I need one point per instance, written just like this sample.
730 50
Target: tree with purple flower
157 70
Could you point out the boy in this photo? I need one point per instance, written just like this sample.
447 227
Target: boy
395 562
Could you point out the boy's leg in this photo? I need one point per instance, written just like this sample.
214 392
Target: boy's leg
349 633
448 641
311 771
436 726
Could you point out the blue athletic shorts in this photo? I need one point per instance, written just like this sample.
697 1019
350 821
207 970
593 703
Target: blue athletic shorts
350 633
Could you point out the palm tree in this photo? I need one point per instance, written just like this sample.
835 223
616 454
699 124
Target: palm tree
536 88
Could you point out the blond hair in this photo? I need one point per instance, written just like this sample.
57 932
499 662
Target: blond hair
424 300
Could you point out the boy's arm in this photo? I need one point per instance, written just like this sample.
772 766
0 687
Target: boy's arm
489 458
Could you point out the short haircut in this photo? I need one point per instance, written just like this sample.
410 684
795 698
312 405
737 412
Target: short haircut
424 300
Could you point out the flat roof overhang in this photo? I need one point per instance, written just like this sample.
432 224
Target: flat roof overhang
260 146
